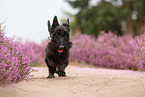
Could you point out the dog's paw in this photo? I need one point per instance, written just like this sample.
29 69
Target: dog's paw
61 73
51 76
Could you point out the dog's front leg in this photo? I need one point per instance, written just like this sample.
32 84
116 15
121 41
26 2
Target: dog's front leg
51 67
61 69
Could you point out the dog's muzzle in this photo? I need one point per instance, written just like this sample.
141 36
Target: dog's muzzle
61 48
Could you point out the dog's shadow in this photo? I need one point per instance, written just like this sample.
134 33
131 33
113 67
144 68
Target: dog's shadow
56 78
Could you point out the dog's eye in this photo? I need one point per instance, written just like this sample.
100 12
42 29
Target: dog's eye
58 32
64 34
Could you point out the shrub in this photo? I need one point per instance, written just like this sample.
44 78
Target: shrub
108 50
15 63
35 52
140 51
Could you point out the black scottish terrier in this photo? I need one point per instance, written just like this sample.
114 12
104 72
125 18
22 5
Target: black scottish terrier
57 50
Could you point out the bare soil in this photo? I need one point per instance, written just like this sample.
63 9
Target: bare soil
80 82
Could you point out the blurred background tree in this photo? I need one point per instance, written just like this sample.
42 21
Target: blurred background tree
119 16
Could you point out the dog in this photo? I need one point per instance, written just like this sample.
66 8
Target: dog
57 50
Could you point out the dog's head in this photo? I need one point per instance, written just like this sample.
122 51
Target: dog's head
60 35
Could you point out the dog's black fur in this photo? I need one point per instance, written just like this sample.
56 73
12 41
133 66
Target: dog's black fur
57 50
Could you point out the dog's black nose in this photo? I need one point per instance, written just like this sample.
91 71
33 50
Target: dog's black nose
61 47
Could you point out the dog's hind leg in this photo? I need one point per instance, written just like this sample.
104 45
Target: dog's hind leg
51 67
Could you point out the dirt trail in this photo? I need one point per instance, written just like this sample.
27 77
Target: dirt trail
80 82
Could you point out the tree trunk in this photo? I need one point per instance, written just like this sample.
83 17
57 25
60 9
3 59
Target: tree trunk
134 27
129 27
140 25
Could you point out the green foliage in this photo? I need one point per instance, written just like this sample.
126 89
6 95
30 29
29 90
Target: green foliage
108 15
78 3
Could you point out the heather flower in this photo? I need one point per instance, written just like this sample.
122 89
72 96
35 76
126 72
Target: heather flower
140 51
108 50
15 62
36 52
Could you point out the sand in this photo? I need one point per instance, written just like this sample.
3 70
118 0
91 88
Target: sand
80 82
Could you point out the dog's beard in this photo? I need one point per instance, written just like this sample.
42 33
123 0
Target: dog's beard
56 48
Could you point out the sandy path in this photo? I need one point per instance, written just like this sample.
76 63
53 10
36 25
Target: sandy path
81 82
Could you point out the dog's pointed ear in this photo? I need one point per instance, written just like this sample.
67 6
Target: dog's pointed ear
67 21
66 24
49 28
55 22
